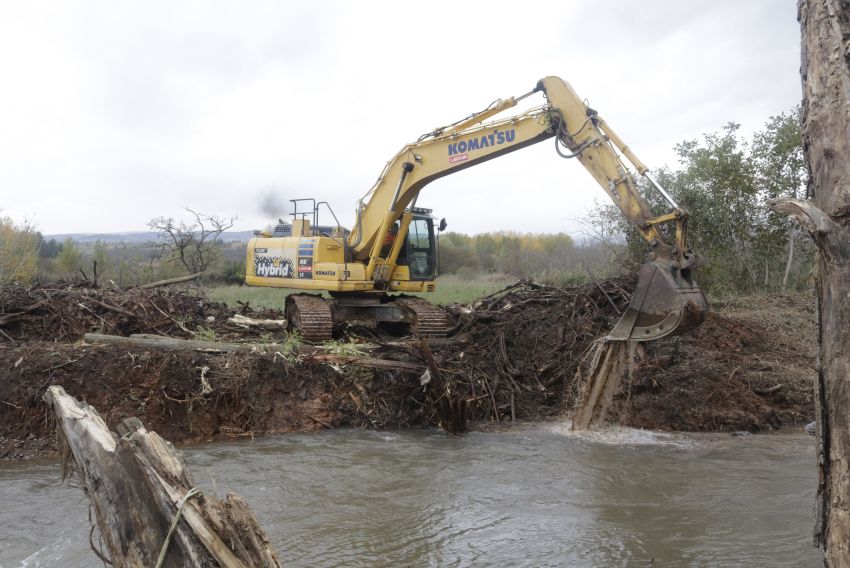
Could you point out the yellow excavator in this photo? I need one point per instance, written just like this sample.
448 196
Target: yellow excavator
392 246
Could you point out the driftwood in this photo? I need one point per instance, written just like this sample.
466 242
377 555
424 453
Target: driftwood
144 499
269 324
169 281
305 352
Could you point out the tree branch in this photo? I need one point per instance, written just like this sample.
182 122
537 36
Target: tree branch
816 222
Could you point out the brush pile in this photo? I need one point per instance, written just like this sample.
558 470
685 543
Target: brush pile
518 354
66 312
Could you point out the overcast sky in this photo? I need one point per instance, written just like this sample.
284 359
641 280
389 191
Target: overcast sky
112 113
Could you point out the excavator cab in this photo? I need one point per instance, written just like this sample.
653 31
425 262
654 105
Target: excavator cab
419 251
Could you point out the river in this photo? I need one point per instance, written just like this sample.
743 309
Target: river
533 495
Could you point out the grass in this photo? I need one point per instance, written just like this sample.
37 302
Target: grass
273 298
451 289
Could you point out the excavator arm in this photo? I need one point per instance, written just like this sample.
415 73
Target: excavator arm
666 299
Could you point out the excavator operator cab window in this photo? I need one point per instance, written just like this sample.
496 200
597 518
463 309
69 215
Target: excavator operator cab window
420 249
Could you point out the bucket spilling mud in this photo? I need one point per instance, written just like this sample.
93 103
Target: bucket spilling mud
518 354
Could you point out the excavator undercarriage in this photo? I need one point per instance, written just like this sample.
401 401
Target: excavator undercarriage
315 316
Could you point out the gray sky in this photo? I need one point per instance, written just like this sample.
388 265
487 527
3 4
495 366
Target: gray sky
112 113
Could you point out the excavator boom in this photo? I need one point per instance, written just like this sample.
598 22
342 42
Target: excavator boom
368 261
666 299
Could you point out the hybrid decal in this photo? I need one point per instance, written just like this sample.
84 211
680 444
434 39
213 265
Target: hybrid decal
459 151
272 266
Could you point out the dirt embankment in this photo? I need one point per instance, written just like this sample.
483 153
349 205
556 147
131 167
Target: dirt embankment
510 356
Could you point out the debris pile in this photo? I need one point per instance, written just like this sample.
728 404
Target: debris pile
66 312
518 354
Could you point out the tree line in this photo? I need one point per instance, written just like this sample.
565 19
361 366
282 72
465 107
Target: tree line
723 178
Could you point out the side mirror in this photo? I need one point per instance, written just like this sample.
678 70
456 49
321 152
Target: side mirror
443 225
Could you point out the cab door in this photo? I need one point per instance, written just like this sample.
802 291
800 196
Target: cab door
421 249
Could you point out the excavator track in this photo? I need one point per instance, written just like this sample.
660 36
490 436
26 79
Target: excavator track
431 320
311 316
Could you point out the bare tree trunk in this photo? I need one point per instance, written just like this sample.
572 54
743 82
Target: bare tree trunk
825 70
790 260
145 501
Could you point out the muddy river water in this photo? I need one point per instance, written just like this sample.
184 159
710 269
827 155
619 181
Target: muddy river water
531 496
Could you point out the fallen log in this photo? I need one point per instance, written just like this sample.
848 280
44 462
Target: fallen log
169 281
269 324
145 501
304 352
359 361
170 343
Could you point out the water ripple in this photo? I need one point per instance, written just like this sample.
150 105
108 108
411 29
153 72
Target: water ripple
532 496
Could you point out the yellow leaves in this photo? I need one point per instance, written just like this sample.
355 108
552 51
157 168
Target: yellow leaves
19 246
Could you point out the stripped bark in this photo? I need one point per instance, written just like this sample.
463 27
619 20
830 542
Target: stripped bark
825 70
136 484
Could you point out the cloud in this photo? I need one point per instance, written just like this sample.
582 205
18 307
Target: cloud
114 113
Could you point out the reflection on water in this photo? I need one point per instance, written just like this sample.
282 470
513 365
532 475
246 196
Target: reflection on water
532 496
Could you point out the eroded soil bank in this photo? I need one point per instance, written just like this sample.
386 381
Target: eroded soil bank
510 356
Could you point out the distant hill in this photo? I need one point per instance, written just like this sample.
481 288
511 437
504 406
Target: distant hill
138 237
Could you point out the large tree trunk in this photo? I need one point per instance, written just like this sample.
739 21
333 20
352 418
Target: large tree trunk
144 498
825 70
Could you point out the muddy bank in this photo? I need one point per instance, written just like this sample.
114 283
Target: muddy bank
510 356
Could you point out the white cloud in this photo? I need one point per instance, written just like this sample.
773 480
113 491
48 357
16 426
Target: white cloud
113 113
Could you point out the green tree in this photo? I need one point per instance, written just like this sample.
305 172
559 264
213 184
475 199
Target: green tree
725 181
100 255
781 171
50 249
69 260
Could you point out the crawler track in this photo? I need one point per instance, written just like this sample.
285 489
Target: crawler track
430 319
311 315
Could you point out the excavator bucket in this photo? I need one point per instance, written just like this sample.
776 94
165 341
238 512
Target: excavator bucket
666 301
